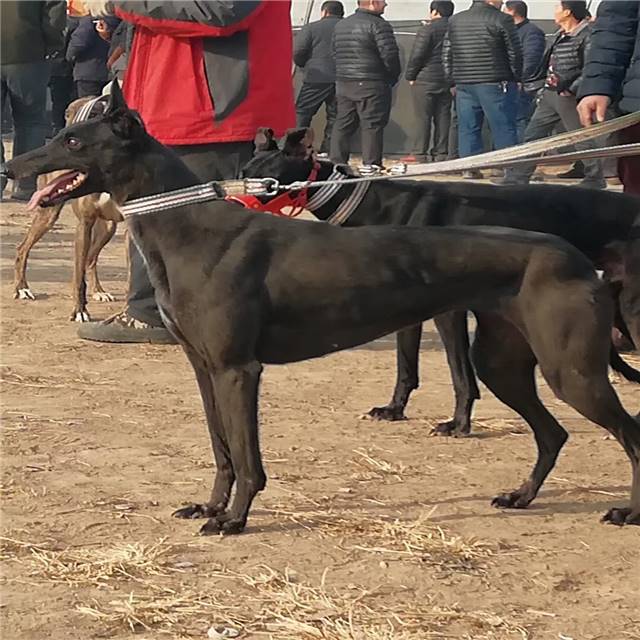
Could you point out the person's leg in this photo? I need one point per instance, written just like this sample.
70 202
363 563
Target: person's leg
374 110
61 96
331 110
526 107
566 107
629 168
4 94
453 133
499 104
346 123
442 123
422 123
27 90
308 102
470 118
544 119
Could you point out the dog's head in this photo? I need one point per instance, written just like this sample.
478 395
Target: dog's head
291 162
94 156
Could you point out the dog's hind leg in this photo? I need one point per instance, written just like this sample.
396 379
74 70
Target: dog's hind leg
454 332
79 285
407 355
505 363
42 222
103 231
236 390
224 477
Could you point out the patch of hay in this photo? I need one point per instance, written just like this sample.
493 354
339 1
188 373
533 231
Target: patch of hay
87 565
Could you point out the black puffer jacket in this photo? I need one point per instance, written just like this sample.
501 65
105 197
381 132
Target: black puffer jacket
481 46
366 49
313 52
564 60
613 59
425 63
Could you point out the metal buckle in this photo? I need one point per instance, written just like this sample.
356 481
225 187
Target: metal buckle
262 186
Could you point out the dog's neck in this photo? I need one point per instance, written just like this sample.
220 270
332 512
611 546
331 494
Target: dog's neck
326 170
157 169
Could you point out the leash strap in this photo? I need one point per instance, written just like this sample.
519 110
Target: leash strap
86 111
172 199
346 208
325 193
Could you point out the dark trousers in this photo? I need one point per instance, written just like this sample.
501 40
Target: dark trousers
86 88
551 110
62 94
367 103
526 107
217 161
629 168
24 86
433 111
311 97
497 101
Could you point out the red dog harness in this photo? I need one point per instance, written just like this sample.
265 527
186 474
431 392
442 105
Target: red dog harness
286 204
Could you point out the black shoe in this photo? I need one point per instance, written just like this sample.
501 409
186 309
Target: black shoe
575 173
122 328
591 183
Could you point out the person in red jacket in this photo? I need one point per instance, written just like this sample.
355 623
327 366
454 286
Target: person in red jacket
204 76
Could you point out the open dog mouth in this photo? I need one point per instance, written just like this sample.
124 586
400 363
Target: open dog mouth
58 190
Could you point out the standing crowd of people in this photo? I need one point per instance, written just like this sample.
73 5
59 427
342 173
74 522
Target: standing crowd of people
205 75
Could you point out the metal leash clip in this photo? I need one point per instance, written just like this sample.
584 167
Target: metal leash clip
398 169
262 186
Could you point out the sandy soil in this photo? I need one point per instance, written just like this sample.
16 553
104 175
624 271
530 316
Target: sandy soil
365 530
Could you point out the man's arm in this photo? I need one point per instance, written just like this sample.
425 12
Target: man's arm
422 47
81 39
512 47
302 46
388 50
447 58
54 21
612 43
533 47
191 19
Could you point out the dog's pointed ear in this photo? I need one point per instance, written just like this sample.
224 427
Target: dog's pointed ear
127 124
298 142
116 99
265 140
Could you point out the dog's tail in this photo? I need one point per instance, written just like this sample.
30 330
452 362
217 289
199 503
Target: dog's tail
624 369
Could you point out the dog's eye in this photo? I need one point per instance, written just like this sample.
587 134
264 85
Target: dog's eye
73 143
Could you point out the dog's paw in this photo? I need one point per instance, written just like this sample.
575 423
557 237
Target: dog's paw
80 316
390 414
621 517
450 429
222 524
24 294
103 296
193 511
513 500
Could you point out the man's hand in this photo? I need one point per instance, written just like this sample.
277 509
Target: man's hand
593 109
412 82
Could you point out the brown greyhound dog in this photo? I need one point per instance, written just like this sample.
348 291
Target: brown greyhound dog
97 218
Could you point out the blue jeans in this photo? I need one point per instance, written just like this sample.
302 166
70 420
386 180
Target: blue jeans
25 87
526 107
498 101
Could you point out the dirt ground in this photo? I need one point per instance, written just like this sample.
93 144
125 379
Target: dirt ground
365 530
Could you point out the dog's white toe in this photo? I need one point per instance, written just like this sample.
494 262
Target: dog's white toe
103 296
81 316
24 294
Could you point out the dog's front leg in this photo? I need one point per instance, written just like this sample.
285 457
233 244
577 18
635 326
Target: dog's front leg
454 333
79 285
408 355
103 231
236 390
224 477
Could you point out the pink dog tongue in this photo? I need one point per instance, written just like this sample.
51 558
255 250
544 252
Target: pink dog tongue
40 194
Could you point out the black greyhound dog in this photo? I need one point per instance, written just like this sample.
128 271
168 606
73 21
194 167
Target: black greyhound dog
603 225
240 289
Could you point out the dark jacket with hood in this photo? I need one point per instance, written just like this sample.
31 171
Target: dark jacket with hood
425 63
88 51
482 46
313 50
533 44
30 31
613 60
365 48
